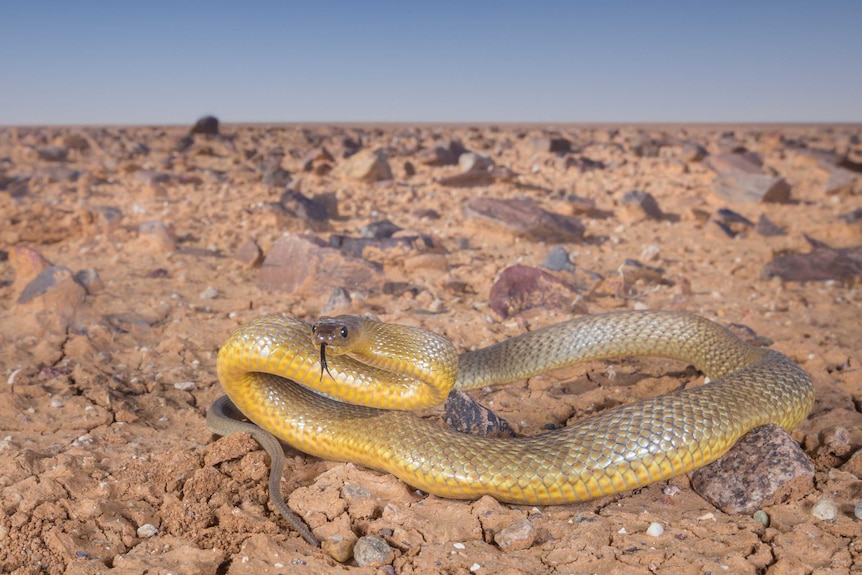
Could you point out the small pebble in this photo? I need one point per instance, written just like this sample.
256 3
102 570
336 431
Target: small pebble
858 510
825 509
459 546
147 530
761 515
209 293
184 385
654 529
475 567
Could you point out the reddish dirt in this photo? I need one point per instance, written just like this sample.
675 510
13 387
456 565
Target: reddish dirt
108 466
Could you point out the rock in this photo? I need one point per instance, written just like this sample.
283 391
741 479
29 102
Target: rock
766 228
520 288
300 206
693 153
52 153
747 163
821 264
582 163
366 166
60 282
249 253
339 302
638 206
526 219
731 223
519 535
555 145
90 279
208 126
558 260
825 509
305 264
745 187
841 181
373 551
409 169
754 471
16 187
464 414
316 156
338 547
445 154
155 237
468 180
472 162
276 178
379 229
27 264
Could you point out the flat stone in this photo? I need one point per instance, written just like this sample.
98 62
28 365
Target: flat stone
745 187
747 163
693 153
731 223
366 166
758 469
305 264
521 287
821 264
525 218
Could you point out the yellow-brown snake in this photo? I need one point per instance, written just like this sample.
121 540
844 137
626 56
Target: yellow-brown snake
617 450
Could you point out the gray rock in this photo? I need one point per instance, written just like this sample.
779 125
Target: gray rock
554 145
557 260
371 550
638 205
464 414
821 264
52 153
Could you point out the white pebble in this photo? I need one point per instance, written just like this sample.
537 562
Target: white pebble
459 546
184 385
825 510
209 293
147 530
475 567
858 510
654 529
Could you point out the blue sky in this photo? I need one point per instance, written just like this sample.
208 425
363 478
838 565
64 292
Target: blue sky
157 62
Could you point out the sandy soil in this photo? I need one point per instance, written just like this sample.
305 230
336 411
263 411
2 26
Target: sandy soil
108 362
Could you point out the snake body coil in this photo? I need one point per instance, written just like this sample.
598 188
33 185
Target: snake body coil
617 450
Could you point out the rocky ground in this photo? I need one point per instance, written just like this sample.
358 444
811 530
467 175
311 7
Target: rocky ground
127 255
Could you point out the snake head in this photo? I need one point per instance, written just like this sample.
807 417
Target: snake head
336 334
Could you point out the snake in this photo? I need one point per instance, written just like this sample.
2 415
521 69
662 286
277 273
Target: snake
344 388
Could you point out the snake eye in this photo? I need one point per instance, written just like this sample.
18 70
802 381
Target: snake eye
344 332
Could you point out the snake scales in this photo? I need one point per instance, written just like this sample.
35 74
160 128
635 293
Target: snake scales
617 450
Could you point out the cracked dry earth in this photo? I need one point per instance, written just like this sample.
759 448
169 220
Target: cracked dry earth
127 255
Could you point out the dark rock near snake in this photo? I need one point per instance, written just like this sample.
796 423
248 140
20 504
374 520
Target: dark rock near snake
208 125
520 288
526 219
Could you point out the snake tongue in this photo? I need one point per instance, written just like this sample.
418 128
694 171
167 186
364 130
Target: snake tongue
323 366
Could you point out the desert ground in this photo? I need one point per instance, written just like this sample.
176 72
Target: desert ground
129 254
